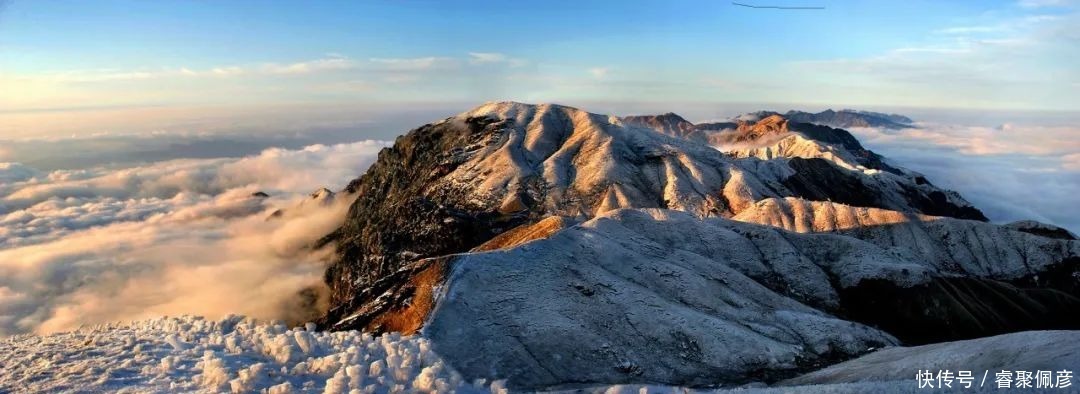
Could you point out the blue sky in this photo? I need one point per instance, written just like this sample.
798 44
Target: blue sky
66 63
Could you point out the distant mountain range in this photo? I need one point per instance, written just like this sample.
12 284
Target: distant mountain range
845 118
556 247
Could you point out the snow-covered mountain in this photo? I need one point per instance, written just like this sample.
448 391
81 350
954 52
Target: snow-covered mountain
587 248
451 185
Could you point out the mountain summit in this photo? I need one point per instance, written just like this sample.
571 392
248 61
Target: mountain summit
591 248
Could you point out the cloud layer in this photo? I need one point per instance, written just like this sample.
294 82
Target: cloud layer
175 237
1011 172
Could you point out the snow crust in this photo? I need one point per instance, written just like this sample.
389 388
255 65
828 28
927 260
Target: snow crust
191 354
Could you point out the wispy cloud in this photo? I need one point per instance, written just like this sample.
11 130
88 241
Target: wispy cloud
413 64
494 58
1043 3
969 29
599 72
336 63
1020 57
1071 162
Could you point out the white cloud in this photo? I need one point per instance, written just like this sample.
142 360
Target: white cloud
998 62
336 63
477 58
413 64
1071 162
184 236
599 72
486 57
1005 139
1011 172
326 64
969 29
1043 3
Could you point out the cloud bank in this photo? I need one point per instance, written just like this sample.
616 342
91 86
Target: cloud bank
1011 172
175 237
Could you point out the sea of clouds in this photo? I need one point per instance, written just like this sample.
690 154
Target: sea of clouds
182 236
1010 171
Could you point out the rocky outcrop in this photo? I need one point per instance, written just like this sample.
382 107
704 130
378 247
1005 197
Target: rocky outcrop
1042 229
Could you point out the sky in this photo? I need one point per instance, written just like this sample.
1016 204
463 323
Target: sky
135 66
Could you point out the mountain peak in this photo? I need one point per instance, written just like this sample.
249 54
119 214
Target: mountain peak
774 123
512 109
668 123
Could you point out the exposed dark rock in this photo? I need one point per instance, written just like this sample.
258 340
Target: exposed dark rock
937 203
1041 229
817 179
954 308
260 194
277 214
396 210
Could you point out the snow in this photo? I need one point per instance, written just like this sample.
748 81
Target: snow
794 144
191 354
1025 351
240 355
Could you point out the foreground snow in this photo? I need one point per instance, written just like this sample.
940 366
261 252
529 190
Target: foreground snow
1025 351
190 354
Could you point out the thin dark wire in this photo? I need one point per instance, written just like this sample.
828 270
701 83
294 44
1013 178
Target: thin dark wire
776 7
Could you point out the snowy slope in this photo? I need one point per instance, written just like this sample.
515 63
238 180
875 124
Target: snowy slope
622 298
946 245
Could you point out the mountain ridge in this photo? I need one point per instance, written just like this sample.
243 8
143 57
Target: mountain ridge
517 191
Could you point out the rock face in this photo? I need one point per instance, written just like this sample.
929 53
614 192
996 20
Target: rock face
585 248
449 186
